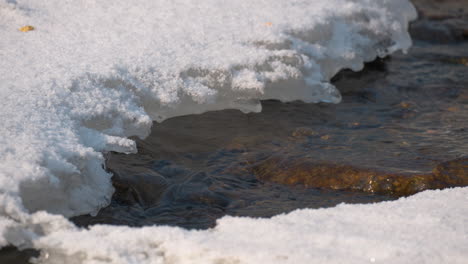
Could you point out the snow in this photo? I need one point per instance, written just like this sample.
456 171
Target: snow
93 73
430 227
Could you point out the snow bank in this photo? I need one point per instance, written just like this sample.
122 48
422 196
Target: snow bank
430 227
93 73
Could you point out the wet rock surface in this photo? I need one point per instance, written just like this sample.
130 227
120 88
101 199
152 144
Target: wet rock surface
308 172
441 21
401 128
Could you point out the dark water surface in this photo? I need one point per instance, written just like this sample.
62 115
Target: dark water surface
11 255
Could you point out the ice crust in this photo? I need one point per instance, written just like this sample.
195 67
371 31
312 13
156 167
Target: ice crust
93 73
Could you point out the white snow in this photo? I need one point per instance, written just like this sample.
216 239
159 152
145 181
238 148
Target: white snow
430 227
93 73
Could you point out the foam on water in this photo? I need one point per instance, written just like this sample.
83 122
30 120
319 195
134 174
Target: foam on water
93 73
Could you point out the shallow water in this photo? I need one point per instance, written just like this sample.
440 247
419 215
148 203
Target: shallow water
403 115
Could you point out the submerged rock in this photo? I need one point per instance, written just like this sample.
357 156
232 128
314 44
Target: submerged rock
453 173
441 9
145 188
440 21
327 175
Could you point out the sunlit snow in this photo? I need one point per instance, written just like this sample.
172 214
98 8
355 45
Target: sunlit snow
92 73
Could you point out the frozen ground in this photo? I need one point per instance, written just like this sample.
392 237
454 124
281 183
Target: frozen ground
93 73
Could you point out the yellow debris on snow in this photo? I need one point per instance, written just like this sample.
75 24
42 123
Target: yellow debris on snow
26 28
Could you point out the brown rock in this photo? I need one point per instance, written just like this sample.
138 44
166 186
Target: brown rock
301 132
440 21
144 189
310 173
441 9
453 173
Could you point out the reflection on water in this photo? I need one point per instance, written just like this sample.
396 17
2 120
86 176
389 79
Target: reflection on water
402 116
